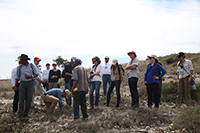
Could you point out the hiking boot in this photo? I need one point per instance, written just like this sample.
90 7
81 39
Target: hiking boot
96 107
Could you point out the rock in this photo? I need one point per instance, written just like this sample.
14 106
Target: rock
147 128
142 131
184 131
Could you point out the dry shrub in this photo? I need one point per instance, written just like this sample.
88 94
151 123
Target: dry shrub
169 91
188 119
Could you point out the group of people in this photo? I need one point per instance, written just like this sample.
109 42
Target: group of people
28 77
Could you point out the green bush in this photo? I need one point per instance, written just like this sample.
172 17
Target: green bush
189 119
171 59
169 92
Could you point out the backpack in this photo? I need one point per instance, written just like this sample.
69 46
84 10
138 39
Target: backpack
21 67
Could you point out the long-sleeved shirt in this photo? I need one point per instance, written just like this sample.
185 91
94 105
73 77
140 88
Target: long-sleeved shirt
45 74
26 70
153 71
56 92
54 73
68 69
13 76
97 69
38 79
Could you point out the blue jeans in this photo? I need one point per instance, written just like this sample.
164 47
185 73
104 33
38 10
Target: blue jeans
134 92
112 85
69 87
106 79
94 85
46 84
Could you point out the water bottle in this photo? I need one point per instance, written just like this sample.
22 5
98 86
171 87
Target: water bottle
194 87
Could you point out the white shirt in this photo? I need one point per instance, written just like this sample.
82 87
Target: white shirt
106 68
97 69
13 76
45 74
188 67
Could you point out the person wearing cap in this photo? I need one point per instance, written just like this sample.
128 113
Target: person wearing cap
67 75
151 79
45 76
184 75
106 74
96 79
133 76
116 80
52 97
54 75
16 96
26 73
38 82
80 81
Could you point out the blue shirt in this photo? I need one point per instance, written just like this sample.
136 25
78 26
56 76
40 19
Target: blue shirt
26 70
153 71
57 92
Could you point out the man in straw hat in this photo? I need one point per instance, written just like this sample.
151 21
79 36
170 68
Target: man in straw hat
26 73
52 97
133 76
16 96
67 75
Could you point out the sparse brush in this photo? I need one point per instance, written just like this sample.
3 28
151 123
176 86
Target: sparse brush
188 119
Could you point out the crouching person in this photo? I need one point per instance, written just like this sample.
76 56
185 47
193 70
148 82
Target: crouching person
80 81
52 97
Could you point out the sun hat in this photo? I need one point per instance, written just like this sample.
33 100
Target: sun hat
67 92
152 56
73 58
24 57
114 61
106 57
54 63
37 59
18 58
132 52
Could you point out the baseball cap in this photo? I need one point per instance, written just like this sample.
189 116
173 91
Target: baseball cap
152 56
37 59
77 61
114 61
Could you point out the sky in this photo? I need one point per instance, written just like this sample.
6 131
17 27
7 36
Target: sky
88 28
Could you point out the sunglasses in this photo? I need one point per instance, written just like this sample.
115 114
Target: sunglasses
93 61
150 57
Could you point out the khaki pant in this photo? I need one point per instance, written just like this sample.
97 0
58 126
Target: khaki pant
54 85
183 83
50 102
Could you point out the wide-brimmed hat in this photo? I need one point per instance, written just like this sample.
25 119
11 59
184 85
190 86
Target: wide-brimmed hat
114 61
152 56
73 58
106 57
18 58
132 52
24 57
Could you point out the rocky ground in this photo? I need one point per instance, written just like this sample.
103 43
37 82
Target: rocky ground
103 119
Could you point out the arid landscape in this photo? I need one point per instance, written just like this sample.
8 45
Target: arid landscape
110 119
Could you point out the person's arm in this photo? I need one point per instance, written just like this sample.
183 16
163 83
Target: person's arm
59 74
13 75
131 67
145 76
60 93
162 74
73 86
121 75
190 78
177 78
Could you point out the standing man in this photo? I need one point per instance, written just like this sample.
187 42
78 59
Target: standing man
133 75
38 82
26 73
16 96
106 75
184 75
67 74
45 76
80 80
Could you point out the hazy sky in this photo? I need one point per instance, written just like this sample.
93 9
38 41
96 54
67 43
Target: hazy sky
86 28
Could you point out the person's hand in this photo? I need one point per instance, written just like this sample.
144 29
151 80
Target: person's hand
28 76
41 82
177 81
72 91
14 87
163 79
189 79
127 67
145 82
155 77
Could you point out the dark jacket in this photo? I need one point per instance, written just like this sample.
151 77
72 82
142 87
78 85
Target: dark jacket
68 68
